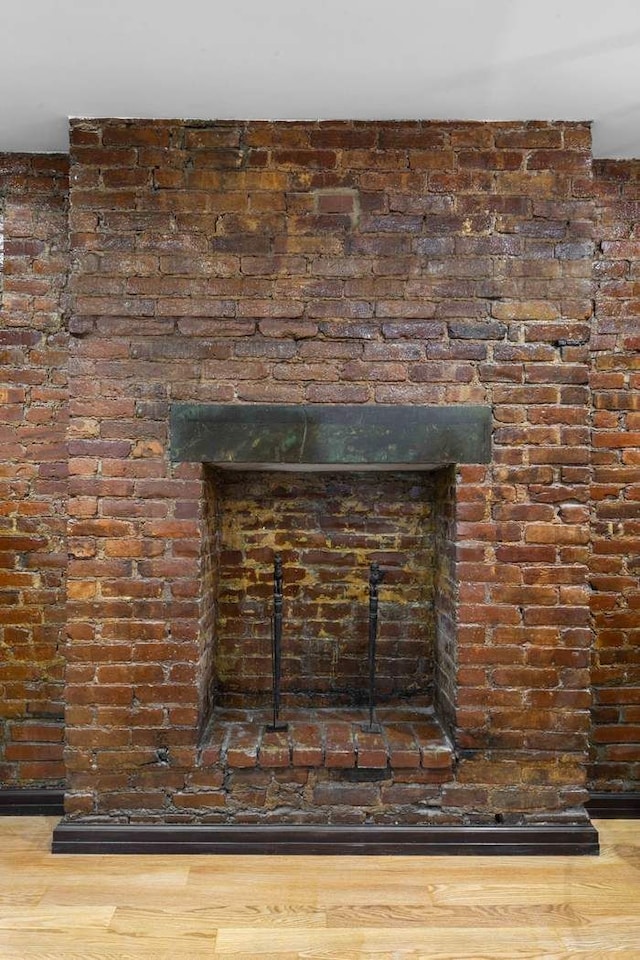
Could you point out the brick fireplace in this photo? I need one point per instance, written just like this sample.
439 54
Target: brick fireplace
329 490
407 267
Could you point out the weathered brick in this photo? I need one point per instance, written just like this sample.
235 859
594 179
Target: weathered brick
323 265
354 794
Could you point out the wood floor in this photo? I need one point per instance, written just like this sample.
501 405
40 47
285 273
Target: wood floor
317 908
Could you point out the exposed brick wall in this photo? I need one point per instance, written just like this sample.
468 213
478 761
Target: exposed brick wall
33 468
336 262
364 262
615 492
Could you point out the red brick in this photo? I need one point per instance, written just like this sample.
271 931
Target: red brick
329 793
371 750
340 750
242 748
274 750
307 745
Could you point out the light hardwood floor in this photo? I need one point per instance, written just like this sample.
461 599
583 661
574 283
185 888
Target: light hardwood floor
317 908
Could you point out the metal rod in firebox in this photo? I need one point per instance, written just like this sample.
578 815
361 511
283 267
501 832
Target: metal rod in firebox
375 578
276 643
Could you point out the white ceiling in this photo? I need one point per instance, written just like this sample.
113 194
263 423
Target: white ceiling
299 59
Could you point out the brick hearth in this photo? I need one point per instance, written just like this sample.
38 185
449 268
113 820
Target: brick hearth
410 738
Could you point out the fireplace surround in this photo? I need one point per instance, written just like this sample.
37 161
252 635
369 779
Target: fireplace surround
212 269
376 486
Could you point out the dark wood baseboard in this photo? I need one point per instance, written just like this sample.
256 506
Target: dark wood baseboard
614 806
32 802
276 839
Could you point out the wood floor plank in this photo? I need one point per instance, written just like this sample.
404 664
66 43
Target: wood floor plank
96 880
317 908
56 919
101 947
383 944
200 921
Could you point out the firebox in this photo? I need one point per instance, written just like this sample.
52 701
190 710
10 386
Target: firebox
327 529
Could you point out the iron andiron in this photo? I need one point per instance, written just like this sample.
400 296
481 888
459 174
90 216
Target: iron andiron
276 644
375 578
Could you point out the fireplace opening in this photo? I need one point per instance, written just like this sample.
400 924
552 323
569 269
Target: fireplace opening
328 528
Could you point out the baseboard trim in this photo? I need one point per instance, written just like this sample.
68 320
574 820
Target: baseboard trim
24 802
343 839
614 806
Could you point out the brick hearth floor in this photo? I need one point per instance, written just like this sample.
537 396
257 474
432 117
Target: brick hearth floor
410 737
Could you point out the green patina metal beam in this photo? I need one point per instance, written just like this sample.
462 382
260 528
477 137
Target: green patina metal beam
287 436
